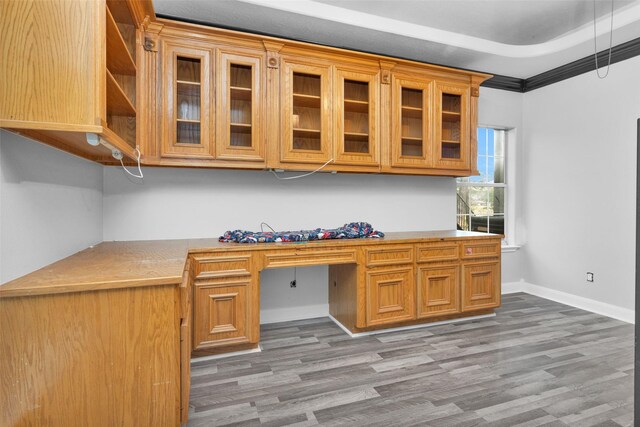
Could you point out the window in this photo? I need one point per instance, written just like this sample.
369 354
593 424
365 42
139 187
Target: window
481 199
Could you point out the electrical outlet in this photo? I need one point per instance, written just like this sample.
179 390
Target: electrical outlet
293 284
589 277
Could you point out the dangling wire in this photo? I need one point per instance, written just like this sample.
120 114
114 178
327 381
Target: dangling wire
262 224
303 175
140 175
595 46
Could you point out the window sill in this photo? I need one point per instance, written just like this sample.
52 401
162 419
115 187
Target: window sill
509 248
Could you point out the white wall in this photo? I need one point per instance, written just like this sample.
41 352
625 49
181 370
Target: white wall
579 190
502 109
50 205
184 203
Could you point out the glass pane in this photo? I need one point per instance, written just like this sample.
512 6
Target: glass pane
356 117
306 118
490 169
482 141
497 201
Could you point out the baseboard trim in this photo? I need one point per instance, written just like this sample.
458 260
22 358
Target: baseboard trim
609 310
223 355
287 314
407 328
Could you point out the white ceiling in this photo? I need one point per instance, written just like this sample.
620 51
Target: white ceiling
517 38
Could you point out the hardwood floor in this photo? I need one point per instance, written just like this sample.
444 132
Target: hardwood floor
536 363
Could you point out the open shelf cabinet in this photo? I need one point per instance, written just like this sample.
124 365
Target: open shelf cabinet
121 75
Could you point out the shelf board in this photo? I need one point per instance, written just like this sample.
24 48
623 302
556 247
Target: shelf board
240 128
356 106
413 139
356 135
119 60
187 121
450 141
120 11
187 82
413 112
117 102
450 116
243 93
300 100
306 133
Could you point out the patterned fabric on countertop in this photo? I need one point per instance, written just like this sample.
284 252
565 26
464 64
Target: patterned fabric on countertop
353 230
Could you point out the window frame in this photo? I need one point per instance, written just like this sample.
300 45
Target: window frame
509 185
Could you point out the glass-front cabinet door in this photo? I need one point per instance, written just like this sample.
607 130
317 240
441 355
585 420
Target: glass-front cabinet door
239 105
305 112
186 100
410 129
356 118
452 122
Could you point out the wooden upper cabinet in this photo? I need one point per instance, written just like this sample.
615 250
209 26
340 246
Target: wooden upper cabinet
240 106
52 66
305 104
452 123
70 73
356 115
411 122
187 130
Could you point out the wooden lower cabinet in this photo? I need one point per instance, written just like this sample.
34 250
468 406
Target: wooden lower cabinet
438 290
390 295
480 285
222 314
96 358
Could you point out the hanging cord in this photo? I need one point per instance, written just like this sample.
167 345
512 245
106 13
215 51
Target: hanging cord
595 45
140 176
262 224
301 176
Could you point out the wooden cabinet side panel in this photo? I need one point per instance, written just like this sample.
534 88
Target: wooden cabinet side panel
52 67
78 358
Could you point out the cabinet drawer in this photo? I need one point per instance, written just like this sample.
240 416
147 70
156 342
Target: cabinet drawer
208 267
481 249
389 255
309 257
441 251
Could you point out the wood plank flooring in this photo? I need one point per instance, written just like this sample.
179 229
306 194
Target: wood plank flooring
536 363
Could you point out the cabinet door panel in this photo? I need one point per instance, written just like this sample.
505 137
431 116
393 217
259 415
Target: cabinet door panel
306 112
240 107
356 115
222 314
480 285
438 291
411 119
452 127
390 296
186 99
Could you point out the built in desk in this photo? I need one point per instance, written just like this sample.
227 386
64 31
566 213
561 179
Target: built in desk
83 336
